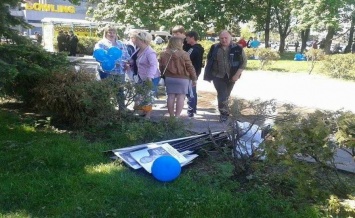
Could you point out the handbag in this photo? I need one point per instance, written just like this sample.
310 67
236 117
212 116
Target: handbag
162 77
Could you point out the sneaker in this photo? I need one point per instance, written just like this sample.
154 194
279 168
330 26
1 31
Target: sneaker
190 115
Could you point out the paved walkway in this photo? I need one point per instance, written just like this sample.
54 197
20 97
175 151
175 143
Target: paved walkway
301 89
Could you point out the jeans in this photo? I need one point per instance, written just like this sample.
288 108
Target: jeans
192 102
155 86
224 88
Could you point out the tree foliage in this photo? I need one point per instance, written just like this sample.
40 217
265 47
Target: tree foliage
7 21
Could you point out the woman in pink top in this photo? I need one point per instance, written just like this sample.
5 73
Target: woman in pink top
148 73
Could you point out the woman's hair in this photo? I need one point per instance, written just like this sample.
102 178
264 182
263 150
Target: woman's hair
175 43
133 33
108 28
144 36
178 29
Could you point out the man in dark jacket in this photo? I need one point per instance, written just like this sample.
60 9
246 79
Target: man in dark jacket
196 55
61 39
73 43
225 64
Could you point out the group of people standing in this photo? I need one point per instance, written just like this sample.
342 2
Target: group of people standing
180 64
67 42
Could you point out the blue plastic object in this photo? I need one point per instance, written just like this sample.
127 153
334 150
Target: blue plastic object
298 57
166 168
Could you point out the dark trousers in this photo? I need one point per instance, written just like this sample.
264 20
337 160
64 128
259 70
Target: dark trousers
224 88
192 102
72 50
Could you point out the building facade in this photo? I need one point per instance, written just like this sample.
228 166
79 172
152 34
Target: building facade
33 11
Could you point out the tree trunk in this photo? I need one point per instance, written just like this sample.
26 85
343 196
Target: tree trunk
328 39
282 42
267 25
351 35
304 37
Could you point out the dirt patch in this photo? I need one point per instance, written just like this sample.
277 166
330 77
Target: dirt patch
206 100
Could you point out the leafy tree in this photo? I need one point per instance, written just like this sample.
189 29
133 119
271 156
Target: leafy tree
349 16
7 21
197 15
320 15
283 17
261 15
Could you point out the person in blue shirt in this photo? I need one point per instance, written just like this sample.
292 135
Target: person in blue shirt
122 65
255 43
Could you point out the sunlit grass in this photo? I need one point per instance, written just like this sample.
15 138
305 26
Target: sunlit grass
44 174
289 66
103 168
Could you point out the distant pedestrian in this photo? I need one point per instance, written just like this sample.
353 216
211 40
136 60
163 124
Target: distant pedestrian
61 40
249 41
66 41
242 42
315 44
255 43
73 43
38 37
297 44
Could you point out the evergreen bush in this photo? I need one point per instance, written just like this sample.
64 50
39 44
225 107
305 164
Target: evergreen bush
24 66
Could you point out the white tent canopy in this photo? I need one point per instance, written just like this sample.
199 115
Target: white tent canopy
68 21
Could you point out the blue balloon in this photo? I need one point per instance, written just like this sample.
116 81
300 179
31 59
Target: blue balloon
100 54
166 168
114 53
108 64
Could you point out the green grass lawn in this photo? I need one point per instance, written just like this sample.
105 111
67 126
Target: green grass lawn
47 173
286 66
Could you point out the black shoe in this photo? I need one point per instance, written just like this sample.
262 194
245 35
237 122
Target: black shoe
190 115
223 118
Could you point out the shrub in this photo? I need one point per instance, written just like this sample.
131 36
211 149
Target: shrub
8 73
345 134
298 138
206 44
340 66
314 55
23 67
250 52
266 56
86 45
78 98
